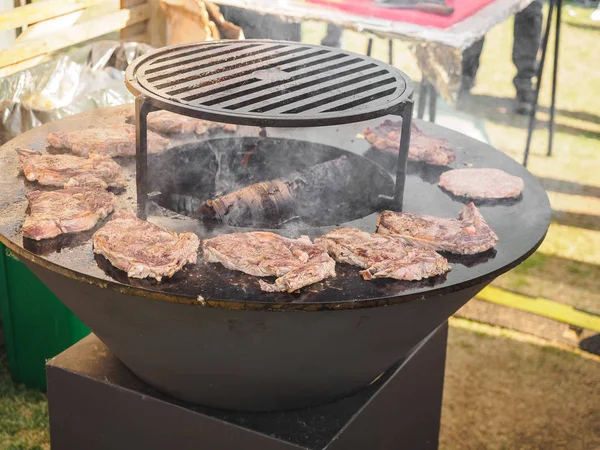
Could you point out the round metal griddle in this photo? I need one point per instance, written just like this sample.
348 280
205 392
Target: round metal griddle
210 336
72 255
268 83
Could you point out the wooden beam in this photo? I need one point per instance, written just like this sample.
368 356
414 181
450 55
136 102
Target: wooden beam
138 38
23 65
47 27
134 30
542 307
157 25
38 12
75 35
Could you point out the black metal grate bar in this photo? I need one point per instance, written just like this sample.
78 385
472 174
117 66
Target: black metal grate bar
304 65
268 83
361 101
312 90
248 69
175 53
353 92
313 82
215 61
190 63
238 61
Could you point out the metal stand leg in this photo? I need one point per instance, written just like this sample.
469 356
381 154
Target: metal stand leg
539 82
369 46
391 52
554 76
403 155
142 109
422 99
432 103
427 91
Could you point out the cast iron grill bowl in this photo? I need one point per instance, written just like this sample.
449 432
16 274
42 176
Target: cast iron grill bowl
209 335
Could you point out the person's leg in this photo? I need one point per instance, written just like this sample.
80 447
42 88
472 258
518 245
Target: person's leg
527 37
470 65
262 26
333 38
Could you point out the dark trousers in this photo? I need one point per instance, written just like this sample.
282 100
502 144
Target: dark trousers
527 37
266 26
262 26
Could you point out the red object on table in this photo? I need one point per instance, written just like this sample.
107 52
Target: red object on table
462 10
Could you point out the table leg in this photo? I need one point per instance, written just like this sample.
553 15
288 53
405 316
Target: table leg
538 84
554 77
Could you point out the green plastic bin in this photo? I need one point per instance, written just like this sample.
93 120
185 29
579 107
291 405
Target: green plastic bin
37 326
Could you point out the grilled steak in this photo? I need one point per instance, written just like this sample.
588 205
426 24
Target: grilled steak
170 123
143 249
296 262
482 183
65 211
468 235
69 170
116 140
423 148
382 256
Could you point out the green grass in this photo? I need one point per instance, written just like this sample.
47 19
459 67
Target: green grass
23 414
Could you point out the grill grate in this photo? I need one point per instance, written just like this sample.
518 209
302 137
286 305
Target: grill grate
268 83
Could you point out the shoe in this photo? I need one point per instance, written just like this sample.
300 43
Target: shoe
524 102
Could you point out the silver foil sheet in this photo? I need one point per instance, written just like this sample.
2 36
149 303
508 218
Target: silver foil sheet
81 79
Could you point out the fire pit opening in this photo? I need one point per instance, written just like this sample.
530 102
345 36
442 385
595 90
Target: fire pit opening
256 182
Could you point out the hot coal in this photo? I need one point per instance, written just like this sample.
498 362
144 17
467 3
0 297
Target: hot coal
296 262
382 256
468 235
72 210
115 140
97 170
142 249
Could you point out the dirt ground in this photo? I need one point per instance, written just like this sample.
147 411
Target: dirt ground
504 394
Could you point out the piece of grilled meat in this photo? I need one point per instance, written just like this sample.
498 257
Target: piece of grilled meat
467 235
382 256
143 249
65 211
115 140
423 148
167 122
482 183
296 262
69 171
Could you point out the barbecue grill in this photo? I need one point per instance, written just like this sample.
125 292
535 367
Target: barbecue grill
209 335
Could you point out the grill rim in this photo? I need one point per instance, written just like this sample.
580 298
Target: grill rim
389 104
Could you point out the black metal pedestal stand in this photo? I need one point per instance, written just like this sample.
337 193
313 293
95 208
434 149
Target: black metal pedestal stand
558 4
97 404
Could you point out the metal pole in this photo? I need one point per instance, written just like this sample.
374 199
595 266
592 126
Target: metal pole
403 155
422 99
391 52
432 103
554 77
539 84
142 108
369 46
